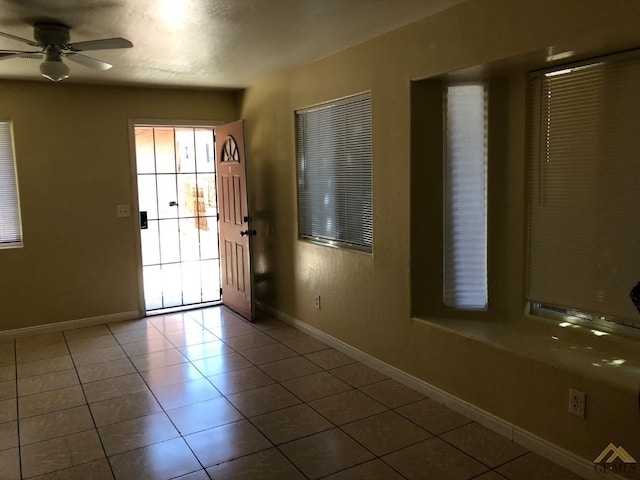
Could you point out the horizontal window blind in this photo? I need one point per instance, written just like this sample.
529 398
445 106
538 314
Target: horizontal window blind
465 197
334 172
584 221
10 228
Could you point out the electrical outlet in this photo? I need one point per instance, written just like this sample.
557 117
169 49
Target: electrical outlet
577 403
318 302
122 211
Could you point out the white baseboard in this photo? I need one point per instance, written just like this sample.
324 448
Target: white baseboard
542 447
68 325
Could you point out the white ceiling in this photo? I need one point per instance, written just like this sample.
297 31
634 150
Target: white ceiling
204 43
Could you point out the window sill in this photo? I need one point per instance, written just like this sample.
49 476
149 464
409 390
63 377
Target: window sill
610 359
337 245
8 246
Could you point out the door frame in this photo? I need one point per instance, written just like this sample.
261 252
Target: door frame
135 207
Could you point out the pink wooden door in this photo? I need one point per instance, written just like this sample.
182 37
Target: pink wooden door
235 228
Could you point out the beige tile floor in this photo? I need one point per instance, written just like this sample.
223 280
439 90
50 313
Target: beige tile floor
205 395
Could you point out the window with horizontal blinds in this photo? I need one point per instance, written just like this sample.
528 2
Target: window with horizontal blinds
584 220
465 197
10 227
333 143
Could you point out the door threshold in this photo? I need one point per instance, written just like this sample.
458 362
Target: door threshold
182 308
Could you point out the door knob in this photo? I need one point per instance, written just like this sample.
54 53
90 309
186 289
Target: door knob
173 204
248 232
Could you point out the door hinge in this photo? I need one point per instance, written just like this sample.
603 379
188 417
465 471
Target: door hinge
220 291
217 217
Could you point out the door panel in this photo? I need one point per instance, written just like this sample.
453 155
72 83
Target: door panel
227 200
235 230
237 200
240 267
229 267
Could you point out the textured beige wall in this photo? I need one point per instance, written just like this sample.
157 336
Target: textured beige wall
72 154
366 300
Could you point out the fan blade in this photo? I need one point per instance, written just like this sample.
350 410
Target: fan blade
6 54
20 39
104 44
88 61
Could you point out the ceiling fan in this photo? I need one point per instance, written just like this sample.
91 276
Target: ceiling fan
52 39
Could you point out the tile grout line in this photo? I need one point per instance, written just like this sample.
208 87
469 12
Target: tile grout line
440 436
388 409
181 436
84 394
333 425
249 419
305 403
273 445
222 395
17 410
511 460
59 410
323 369
277 341
277 446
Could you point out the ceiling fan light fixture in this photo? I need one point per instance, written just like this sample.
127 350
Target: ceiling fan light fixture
54 70
53 39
